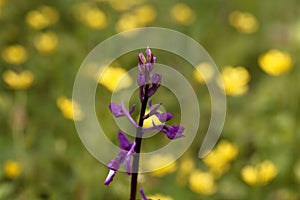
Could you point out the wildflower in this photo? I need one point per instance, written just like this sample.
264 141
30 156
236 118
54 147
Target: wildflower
125 155
267 171
124 5
186 166
14 54
12 169
218 160
182 14
160 197
243 21
139 17
43 17
120 111
250 175
235 80
275 62
69 108
90 15
156 161
206 70
46 42
111 77
202 182
260 174
145 15
143 194
22 80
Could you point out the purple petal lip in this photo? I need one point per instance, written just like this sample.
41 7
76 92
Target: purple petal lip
116 110
123 141
110 177
143 194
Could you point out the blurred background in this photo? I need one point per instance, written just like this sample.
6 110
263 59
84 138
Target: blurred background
255 45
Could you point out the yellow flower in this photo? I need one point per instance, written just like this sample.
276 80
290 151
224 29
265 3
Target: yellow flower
43 17
267 171
124 5
95 19
69 108
202 182
243 21
12 169
157 161
260 174
46 42
187 165
90 15
218 159
235 80
182 14
206 70
159 197
145 15
22 80
126 22
275 62
14 54
139 17
250 175
111 77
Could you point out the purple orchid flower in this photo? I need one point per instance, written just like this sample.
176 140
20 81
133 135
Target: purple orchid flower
117 110
173 132
121 110
124 155
143 194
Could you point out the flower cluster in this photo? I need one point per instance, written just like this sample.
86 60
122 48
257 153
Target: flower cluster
244 22
148 83
275 62
260 174
18 81
235 80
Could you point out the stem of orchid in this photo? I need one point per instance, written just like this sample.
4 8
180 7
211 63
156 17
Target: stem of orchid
138 141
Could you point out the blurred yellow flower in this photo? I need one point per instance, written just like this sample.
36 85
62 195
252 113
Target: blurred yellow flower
155 163
14 54
159 197
22 80
125 4
69 108
186 166
250 175
267 171
90 15
207 72
218 160
260 174
145 14
139 17
202 182
43 17
111 77
235 80
182 14
46 42
126 22
275 62
243 21
12 169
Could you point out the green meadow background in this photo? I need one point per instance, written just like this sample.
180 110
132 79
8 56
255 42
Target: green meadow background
255 45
